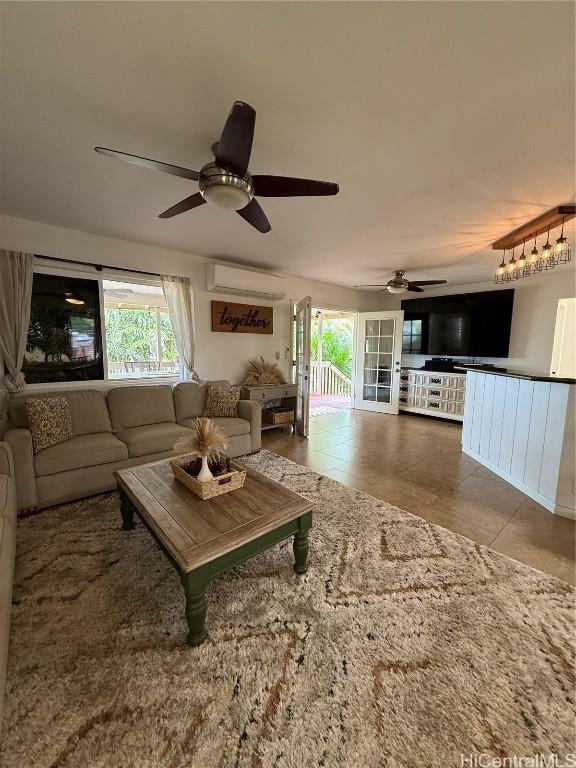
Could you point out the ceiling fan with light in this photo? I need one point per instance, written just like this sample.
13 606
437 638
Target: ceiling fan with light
226 183
399 284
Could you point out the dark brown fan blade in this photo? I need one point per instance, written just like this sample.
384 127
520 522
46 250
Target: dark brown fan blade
155 165
184 205
233 149
428 282
412 287
284 186
254 215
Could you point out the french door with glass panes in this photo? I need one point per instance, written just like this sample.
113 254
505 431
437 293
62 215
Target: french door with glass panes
302 334
378 355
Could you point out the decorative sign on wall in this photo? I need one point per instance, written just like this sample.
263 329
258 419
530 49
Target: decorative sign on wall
241 318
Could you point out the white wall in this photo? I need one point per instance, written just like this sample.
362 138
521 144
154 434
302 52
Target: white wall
218 355
533 318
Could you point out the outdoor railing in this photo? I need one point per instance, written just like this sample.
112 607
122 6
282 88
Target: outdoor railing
129 368
326 379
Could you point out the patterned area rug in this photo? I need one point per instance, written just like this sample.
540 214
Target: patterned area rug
404 645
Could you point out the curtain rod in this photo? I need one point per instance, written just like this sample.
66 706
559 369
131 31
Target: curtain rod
97 267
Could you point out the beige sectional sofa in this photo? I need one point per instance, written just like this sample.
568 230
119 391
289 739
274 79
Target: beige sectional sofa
7 552
124 426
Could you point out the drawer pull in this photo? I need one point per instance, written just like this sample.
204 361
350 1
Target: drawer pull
434 405
435 381
403 399
435 392
403 389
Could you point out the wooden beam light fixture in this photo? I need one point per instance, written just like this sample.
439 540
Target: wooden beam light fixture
550 256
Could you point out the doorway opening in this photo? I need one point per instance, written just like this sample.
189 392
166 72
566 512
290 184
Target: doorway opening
331 361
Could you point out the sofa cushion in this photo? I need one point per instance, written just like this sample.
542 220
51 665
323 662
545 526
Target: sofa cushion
190 398
49 421
87 407
222 401
151 438
7 499
81 451
230 427
138 406
89 411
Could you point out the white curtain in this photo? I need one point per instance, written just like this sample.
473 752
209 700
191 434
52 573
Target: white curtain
15 301
180 301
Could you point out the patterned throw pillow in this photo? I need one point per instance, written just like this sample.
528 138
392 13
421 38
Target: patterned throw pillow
49 420
222 401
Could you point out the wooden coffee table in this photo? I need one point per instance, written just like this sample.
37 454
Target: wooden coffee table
202 539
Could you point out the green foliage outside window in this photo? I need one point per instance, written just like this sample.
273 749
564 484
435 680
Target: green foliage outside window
169 351
337 338
131 335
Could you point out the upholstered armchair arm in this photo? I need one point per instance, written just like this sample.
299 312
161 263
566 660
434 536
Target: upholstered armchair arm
20 442
251 410
6 464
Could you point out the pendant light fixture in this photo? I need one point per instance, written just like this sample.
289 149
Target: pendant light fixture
513 267
550 256
499 277
562 248
522 260
502 275
533 258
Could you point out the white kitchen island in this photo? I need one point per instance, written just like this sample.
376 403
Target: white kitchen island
522 427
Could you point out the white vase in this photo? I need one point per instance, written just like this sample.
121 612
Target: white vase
205 475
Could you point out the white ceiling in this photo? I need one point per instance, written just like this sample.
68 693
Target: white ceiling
445 124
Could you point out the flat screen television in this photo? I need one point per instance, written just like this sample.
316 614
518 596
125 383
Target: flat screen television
460 325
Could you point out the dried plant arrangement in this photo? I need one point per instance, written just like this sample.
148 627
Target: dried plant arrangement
208 441
260 372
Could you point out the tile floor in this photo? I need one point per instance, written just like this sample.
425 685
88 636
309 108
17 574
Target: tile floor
416 463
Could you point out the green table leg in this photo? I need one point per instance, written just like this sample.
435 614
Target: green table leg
127 509
301 543
195 584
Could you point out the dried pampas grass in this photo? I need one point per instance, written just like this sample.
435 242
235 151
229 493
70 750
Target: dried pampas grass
206 439
260 372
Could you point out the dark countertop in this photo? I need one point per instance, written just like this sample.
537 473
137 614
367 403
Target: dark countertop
518 375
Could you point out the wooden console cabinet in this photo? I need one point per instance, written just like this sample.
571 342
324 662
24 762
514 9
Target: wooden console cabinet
286 393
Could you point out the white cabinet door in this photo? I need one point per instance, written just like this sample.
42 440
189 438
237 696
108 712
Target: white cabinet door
302 332
377 368
564 349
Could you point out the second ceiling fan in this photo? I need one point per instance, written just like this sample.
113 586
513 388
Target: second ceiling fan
226 182
399 284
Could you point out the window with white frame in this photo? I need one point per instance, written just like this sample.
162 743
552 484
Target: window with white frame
139 337
64 341
87 329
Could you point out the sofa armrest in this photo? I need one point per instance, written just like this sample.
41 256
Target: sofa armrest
20 442
6 463
251 410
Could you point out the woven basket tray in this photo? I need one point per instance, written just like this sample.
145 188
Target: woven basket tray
273 416
230 481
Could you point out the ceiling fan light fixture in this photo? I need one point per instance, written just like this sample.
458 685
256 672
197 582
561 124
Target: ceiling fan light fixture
223 189
73 298
397 289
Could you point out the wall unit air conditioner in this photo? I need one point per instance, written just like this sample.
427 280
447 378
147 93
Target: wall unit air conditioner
244 282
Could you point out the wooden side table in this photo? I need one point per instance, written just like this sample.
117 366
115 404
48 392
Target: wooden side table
287 393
